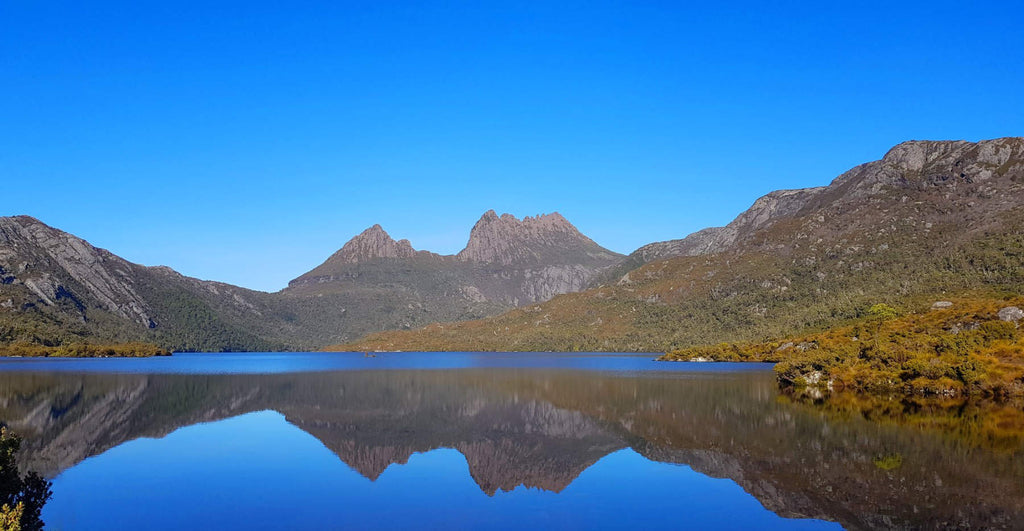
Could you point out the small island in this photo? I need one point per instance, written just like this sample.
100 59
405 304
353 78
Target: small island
970 347
83 350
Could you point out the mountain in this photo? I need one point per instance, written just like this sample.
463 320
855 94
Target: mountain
531 260
371 244
926 219
930 217
542 240
507 261
57 288
375 283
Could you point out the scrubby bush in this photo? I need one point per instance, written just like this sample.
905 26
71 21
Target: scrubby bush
21 497
965 351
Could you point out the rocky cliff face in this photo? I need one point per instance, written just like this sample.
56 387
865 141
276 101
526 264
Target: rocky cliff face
545 240
527 261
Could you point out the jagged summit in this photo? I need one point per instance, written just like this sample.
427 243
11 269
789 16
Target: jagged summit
21 219
507 240
494 239
923 164
507 262
373 243
552 219
372 246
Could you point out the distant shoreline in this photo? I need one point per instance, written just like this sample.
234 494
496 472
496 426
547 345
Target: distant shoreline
83 350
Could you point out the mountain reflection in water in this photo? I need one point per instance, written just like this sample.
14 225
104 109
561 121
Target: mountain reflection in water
542 429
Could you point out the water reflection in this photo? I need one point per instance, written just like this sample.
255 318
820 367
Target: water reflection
542 429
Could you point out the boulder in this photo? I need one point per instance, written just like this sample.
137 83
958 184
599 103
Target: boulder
1011 314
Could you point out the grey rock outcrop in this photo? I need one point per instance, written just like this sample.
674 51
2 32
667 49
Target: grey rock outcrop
700 242
1011 314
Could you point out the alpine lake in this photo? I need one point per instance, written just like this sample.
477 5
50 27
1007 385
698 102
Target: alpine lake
491 440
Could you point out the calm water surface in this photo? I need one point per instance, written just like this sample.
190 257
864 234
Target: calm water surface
283 362
467 440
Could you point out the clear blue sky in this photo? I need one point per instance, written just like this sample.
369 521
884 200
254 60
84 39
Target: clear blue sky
247 141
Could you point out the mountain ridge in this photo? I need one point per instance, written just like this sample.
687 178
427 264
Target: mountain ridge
503 240
57 288
907 158
929 217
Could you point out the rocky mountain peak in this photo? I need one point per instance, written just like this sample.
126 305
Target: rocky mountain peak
371 244
945 174
508 240
507 262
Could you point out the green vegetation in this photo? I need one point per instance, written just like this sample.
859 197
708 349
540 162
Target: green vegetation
888 462
743 296
960 351
969 422
21 497
84 350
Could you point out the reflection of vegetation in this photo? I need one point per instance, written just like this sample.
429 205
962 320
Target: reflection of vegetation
973 423
21 498
965 350
84 350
